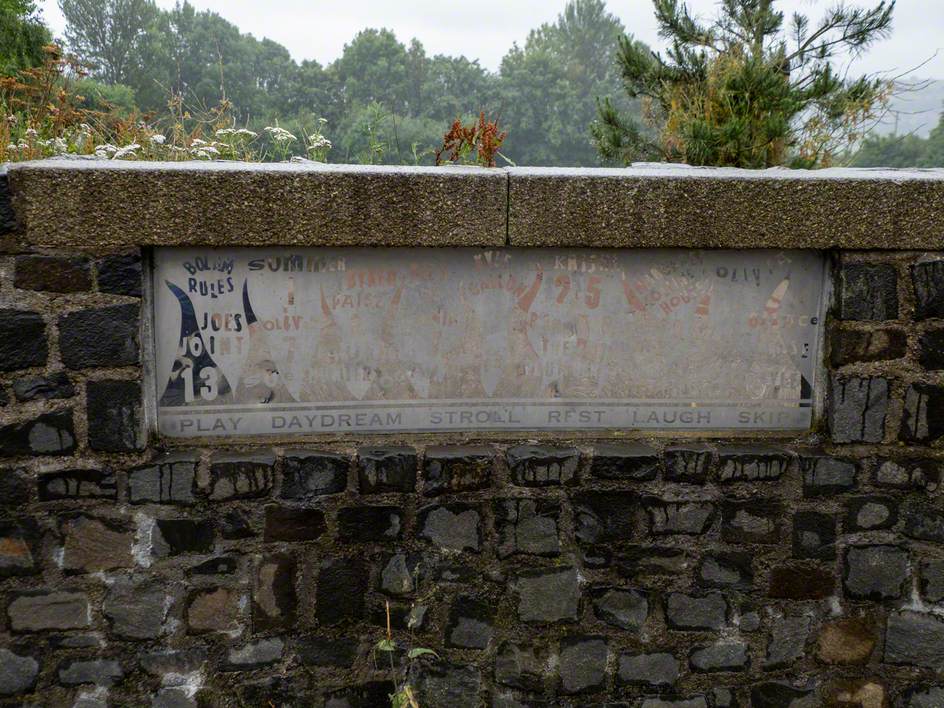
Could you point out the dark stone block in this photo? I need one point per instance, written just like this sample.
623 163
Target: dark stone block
100 672
582 664
222 565
725 655
932 580
726 570
457 468
814 535
659 670
274 600
448 685
696 612
849 346
857 408
342 586
340 652
824 476
22 340
401 573
255 655
542 465
18 672
751 521
626 609
120 274
928 280
646 561
43 388
136 609
688 463
58 274
369 695
528 526
868 291
471 623
386 469
923 696
781 695
287 523
105 336
908 474
14 487
77 484
309 475
875 572
47 434
636 461
923 417
548 595
522 665
605 517
455 527
931 350
685 517
179 536
4 397
370 524
870 514
757 463
7 215
923 522
234 476
801 582
235 525
115 418
167 480
914 639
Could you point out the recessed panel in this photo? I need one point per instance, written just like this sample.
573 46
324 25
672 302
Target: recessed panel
295 341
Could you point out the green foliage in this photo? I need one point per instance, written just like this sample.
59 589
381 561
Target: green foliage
22 36
745 89
903 150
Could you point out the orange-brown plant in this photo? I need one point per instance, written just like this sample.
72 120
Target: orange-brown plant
477 143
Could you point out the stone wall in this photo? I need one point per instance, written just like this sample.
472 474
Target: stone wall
613 570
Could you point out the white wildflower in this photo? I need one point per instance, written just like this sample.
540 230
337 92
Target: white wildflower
126 151
223 132
31 133
11 146
196 143
280 135
107 148
318 141
323 121
247 133
157 139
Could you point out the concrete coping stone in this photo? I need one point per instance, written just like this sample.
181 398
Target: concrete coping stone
102 206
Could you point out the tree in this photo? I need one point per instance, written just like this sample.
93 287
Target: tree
549 87
903 150
22 36
744 90
108 34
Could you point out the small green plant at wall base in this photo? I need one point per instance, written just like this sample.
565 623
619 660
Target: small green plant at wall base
403 695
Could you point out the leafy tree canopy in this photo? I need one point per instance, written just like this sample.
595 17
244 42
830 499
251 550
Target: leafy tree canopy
22 36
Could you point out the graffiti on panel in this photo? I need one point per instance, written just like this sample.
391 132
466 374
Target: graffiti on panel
290 341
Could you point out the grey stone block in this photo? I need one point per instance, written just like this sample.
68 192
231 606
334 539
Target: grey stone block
659 670
115 416
787 643
39 611
167 480
46 434
696 612
928 280
914 639
582 664
548 595
17 672
857 408
455 527
623 608
722 656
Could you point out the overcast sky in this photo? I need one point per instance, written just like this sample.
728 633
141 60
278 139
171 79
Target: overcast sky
485 29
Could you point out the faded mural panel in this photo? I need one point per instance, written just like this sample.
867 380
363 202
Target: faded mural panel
256 341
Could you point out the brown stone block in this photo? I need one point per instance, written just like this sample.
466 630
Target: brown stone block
846 641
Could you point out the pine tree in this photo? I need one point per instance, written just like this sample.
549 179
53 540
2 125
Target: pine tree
745 89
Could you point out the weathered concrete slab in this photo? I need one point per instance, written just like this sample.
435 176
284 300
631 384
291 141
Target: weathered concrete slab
100 205
652 205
